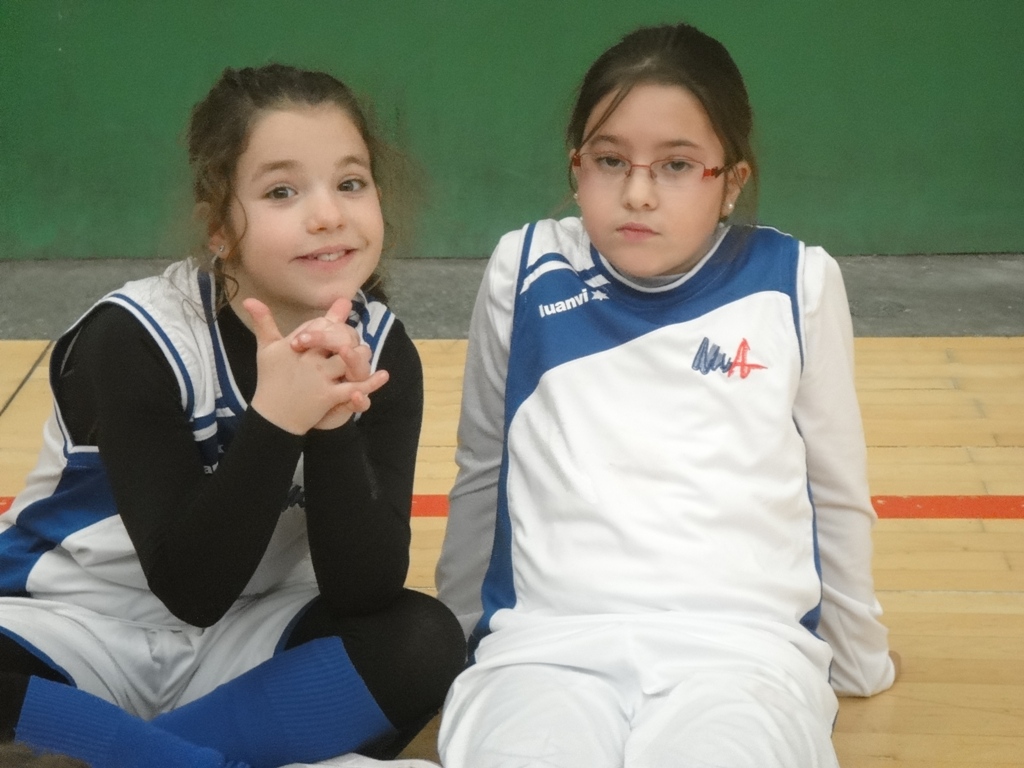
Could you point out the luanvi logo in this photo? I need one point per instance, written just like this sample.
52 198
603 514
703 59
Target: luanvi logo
571 303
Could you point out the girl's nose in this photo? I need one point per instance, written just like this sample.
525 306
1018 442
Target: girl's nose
326 212
639 189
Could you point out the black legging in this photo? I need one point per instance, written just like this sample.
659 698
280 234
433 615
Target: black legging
407 654
17 665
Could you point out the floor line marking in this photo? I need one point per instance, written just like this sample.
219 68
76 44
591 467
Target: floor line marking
924 507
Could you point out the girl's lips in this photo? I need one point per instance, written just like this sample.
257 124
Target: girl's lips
636 231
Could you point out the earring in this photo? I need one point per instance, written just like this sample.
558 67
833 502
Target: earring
576 196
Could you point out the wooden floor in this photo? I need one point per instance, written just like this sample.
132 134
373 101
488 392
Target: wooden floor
944 419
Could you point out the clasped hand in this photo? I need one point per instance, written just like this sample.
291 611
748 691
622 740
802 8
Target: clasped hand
317 376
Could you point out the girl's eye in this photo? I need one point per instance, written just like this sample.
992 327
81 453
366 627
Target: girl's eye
676 166
610 162
280 192
353 185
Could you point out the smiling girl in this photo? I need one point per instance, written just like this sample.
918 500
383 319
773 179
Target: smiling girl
659 537
216 536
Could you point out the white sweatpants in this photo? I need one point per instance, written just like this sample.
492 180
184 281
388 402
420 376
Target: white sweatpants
640 694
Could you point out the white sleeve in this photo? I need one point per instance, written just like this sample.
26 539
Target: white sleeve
469 538
828 416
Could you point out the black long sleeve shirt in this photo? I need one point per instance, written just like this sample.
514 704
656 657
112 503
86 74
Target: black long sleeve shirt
200 537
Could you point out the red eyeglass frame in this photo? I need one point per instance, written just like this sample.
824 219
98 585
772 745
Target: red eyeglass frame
708 172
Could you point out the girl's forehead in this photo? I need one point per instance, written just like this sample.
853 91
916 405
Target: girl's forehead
652 113
292 113
302 129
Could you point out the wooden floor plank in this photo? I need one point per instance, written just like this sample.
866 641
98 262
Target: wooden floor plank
924 708
967 751
869 384
974 581
17 361
943 620
957 371
952 602
957 410
916 395
899 543
946 657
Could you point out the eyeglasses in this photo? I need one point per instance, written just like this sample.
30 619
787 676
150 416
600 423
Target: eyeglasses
670 172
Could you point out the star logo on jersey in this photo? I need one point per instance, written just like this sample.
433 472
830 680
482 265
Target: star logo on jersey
599 295
710 358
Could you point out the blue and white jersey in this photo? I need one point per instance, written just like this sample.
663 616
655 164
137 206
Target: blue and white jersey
626 449
63 539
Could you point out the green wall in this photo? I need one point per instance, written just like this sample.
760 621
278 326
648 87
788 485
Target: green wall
884 126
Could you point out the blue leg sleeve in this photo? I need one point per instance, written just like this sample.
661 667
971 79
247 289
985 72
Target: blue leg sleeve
302 706
58 718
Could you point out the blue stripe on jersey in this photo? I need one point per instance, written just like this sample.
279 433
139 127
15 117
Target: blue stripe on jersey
371 333
547 258
498 590
82 498
203 422
812 618
362 321
228 397
156 330
19 553
228 403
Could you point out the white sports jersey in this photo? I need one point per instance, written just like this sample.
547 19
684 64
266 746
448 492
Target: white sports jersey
63 540
694 448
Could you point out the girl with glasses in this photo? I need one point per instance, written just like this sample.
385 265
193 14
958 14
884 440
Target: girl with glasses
659 538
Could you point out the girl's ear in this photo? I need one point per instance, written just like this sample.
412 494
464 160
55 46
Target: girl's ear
573 166
735 179
217 243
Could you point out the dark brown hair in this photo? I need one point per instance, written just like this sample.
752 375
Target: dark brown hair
221 125
673 55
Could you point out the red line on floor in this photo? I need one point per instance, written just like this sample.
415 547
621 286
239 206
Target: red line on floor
1002 507
987 507
429 506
